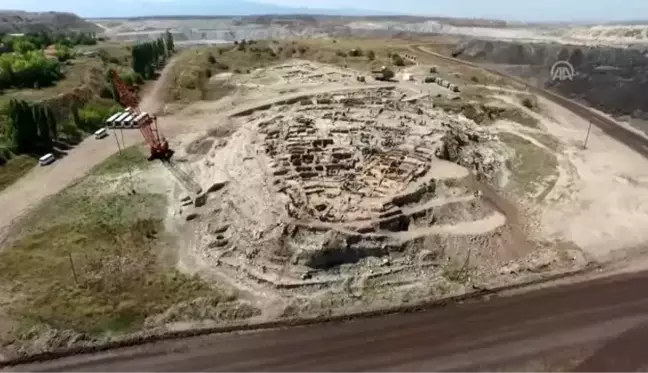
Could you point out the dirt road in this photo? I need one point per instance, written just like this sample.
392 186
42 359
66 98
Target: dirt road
42 182
46 181
607 125
599 325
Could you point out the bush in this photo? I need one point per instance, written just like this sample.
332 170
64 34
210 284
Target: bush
340 54
528 103
106 92
371 55
302 49
388 74
474 79
433 70
398 60
430 79
29 70
93 115
128 78
63 53
211 59
357 52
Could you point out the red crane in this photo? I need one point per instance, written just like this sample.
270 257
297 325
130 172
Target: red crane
158 145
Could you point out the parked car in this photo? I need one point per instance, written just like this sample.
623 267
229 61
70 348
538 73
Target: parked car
46 159
100 133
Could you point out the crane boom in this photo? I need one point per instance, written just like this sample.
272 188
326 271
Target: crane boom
158 145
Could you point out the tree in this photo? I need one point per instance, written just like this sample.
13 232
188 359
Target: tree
398 60
23 46
170 46
51 122
63 53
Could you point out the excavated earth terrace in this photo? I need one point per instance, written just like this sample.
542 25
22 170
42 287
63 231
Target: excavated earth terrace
346 188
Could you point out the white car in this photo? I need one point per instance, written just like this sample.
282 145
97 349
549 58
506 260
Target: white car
100 133
46 159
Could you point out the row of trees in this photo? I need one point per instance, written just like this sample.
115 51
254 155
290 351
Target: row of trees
32 126
28 70
147 56
40 40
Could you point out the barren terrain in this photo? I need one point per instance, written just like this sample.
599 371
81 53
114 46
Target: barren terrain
312 189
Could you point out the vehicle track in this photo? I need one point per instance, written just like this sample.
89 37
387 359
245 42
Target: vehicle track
593 326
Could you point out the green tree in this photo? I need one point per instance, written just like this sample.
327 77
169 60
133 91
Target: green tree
170 45
63 53
398 60
23 45
51 122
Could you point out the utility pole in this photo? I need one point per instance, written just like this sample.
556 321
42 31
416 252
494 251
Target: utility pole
117 141
76 279
589 128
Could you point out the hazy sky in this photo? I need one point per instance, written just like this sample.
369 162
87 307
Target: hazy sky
525 10
509 9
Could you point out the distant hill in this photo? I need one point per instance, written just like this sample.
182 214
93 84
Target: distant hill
146 8
21 22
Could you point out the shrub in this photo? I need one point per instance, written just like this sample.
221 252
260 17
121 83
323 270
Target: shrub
388 74
398 60
357 52
340 54
528 103
371 55
211 59
63 53
106 92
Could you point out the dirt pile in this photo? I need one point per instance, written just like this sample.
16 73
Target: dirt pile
610 79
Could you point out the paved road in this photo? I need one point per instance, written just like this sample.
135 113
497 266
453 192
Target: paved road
596 326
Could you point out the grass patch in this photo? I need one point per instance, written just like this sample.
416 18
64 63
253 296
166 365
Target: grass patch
190 77
130 158
532 167
375 53
14 169
89 263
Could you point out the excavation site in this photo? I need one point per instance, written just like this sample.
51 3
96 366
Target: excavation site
351 195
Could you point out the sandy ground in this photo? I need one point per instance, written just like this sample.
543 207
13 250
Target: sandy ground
600 200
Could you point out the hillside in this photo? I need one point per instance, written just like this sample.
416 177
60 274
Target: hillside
610 79
22 22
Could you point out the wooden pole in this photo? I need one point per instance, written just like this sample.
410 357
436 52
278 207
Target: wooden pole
589 128
76 279
117 141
